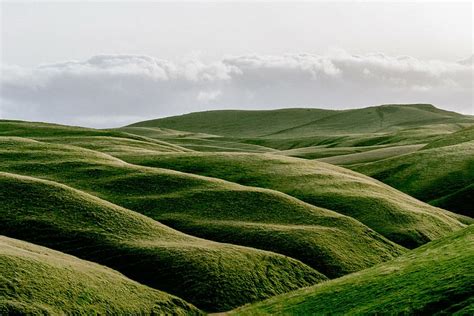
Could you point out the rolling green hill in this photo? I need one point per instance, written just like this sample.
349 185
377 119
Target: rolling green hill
219 209
307 133
391 213
213 276
462 136
375 119
371 155
237 123
39 281
435 279
209 208
442 176
107 138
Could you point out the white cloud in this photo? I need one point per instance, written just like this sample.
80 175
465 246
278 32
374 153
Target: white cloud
207 96
108 90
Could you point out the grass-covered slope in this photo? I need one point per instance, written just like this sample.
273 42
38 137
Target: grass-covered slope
371 155
435 279
87 137
237 123
393 214
294 123
210 208
442 176
374 119
210 275
462 136
39 281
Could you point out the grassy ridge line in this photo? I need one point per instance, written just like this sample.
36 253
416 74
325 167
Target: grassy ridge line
376 119
210 275
114 145
435 279
371 155
236 122
294 123
38 280
462 136
432 175
391 213
196 141
331 243
40 131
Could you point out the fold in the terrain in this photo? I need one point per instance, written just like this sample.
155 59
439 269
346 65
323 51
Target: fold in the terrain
210 208
401 124
435 279
113 139
441 174
210 275
36 280
393 214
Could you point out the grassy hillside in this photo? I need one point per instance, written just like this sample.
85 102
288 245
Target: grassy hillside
435 279
39 281
462 136
295 128
209 208
212 276
237 123
393 214
371 155
442 176
373 119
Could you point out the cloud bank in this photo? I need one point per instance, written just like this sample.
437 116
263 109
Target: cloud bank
113 90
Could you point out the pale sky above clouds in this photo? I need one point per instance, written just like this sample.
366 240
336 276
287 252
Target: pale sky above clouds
108 64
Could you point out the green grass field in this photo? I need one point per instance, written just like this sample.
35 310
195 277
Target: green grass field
435 279
207 207
40 281
397 216
292 211
211 275
442 176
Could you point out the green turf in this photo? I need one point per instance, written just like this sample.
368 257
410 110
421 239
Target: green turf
195 141
371 155
391 213
209 208
440 175
210 275
39 281
435 279
236 123
461 136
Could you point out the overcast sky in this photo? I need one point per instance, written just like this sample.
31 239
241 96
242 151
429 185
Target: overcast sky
108 64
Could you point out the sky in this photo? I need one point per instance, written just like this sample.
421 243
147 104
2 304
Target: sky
107 64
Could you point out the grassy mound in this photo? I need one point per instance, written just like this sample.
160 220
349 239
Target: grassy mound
462 136
104 139
210 208
37 281
294 123
236 123
440 176
210 275
376 119
393 214
435 279
372 155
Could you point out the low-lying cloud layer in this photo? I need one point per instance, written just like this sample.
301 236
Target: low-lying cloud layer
112 90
